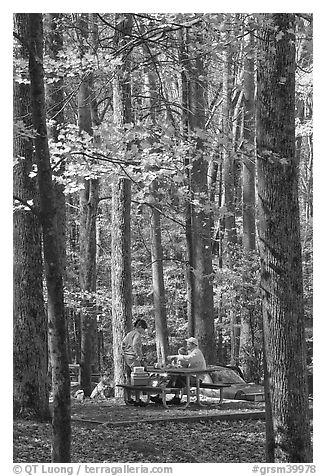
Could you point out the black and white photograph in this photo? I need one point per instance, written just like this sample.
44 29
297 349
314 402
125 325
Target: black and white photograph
162 245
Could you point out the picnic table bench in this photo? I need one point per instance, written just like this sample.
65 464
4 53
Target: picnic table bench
164 391
147 391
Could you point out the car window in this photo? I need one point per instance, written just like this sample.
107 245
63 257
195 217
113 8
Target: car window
226 376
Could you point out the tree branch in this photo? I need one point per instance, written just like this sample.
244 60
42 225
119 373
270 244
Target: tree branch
160 212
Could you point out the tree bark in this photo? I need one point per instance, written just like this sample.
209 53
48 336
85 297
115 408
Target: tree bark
161 328
185 134
228 156
87 279
121 273
73 252
279 245
31 394
87 233
55 115
121 205
249 166
61 425
55 119
247 346
201 253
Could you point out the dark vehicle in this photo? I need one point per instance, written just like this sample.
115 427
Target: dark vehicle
239 389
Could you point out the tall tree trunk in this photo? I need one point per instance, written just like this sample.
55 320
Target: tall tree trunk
73 252
55 115
212 192
248 198
228 156
200 217
121 205
248 181
55 118
61 425
161 329
310 185
31 394
185 133
217 247
121 273
88 323
87 234
279 244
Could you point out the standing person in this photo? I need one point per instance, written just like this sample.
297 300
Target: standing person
132 347
133 353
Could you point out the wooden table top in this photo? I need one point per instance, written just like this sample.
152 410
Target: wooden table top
182 370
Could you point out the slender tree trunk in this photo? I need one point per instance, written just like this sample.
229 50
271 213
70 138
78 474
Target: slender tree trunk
212 189
55 119
219 236
185 132
248 198
61 426
189 271
55 116
88 327
161 329
31 394
121 272
73 252
248 181
309 205
279 244
200 217
121 205
228 160
87 234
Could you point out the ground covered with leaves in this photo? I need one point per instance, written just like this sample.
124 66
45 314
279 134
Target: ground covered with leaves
148 435
114 411
171 442
108 431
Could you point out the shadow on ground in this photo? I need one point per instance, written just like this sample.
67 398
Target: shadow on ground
114 411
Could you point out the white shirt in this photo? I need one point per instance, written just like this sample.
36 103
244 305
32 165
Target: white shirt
195 359
132 345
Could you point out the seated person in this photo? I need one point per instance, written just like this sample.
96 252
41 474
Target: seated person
194 359
176 362
103 389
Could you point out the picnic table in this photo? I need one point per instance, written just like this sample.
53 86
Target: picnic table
174 371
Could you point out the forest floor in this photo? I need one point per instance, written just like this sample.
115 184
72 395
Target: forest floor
110 432
114 412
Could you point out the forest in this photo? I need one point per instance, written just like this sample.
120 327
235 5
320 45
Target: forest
163 170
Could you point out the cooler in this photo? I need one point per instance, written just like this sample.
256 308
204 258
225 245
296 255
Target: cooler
139 377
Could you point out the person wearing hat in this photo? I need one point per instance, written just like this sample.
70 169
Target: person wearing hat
193 360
